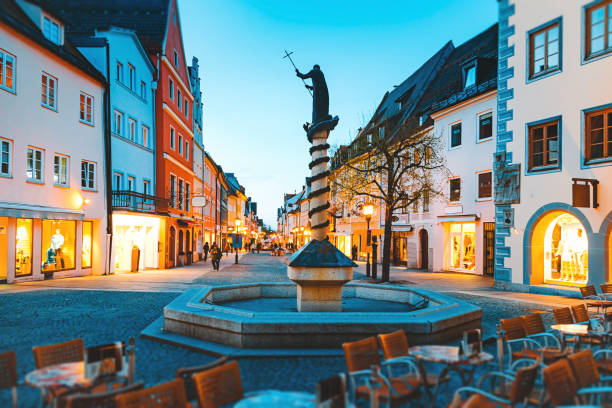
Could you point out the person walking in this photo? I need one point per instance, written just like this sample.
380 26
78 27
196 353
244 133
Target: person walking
206 249
215 256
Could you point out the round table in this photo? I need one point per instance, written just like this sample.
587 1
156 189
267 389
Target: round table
580 330
67 375
465 366
275 398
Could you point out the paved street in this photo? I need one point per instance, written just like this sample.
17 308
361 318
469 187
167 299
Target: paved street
53 311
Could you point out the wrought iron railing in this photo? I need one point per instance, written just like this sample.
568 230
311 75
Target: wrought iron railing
133 201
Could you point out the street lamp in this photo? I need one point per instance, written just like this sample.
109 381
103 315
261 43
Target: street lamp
368 210
236 243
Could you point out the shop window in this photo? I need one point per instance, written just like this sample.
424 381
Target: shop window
544 146
455 135
58 245
599 29
455 189
485 185
485 126
565 251
544 50
462 242
87 244
23 247
599 135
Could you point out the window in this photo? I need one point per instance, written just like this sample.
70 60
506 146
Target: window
88 175
132 72
544 50
187 108
146 187
143 90
187 196
119 71
176 59
49 90
87 244
381 133
60 170
455 189
180 194
118 122
132 129
23 247
187 150
171 88
172 141
180 144
58 244
178 98
455 135
51 31
544 146
86 106
426 201
469 76
131 183
5 157
145 136
599 135
118 180
485 126
173 190
7 71
599 29
485 185
35 162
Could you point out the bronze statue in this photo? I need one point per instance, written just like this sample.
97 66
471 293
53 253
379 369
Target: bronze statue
320 98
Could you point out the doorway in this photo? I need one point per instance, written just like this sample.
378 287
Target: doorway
172 247
489 248
424 239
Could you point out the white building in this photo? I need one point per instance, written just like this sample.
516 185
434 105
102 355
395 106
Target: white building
554 126
53 218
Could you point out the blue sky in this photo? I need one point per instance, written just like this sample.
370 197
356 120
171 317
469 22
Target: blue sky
254 105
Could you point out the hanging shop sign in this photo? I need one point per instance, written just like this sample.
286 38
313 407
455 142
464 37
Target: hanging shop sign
581 192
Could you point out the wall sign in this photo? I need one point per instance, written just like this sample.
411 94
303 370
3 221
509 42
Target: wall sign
581 192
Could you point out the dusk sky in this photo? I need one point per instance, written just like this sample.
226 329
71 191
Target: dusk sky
254 105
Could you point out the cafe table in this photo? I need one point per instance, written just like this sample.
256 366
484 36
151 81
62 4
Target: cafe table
277 399
449 356
581 331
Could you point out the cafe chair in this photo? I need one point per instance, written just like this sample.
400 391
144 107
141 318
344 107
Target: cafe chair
563 388
581 314
535 329
67 352
362 355
395 345
8 373
606 290
219 385
519 345
168 394
331 392
187 373
519 392
603 359
563 315
98 400
593 300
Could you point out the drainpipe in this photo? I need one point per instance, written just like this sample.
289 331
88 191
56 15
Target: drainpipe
107 157
154 88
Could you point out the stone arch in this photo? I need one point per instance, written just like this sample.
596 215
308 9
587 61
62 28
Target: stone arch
533 242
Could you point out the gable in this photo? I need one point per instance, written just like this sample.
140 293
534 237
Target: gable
174 41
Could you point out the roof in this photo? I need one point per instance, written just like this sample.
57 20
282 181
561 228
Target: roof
13 16
447 88
147 17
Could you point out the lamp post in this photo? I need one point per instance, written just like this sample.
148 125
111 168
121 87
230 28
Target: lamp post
368 210
236 243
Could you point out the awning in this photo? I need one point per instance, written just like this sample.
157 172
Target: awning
459 218
18 210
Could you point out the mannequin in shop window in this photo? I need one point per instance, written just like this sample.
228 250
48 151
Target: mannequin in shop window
572 249
55 250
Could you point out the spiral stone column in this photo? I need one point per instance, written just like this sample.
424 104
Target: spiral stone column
319 269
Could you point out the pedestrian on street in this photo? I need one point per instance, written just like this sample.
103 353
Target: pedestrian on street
206 249
354 252
215 256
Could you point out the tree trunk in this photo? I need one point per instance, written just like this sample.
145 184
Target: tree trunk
386 261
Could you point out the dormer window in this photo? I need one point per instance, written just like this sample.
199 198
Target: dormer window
52 30
176 61
469 75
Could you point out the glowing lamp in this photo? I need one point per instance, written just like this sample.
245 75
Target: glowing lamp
368 210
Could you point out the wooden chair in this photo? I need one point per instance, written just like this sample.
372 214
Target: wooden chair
519 393
535 329
593 300
169 394
8 373
395 345
362 355
98 400
603 359
563 386
580 313
584 368
563 315
219 386
331 392
514 334
67 352
186 374
606 288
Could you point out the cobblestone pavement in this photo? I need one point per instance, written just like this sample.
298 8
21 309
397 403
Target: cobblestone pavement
43 315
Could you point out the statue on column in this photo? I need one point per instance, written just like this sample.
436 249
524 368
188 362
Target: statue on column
321 119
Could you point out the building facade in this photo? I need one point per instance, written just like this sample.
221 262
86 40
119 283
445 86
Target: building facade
53 207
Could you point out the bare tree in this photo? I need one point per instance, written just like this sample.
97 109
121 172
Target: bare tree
395 172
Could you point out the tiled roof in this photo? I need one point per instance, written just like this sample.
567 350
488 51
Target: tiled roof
147 17
12 15
447 88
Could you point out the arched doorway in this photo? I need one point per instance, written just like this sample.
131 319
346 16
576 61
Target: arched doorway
424 239
172 247
559 250
181 249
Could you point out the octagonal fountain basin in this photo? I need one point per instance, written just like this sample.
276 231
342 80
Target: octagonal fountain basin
262 318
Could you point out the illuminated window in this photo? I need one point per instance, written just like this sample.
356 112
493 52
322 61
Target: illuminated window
58 245
23 247
7 71
566 248
48 91
87 244
462 246
35 160
60 170
88 175
86 107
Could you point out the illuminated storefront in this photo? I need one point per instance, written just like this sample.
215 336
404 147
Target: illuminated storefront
462 246
23 247
58 245
136 231
566 250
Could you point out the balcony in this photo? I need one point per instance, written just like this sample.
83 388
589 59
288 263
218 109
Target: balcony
133 201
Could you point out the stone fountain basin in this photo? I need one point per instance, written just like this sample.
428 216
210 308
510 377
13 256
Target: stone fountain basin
232 316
